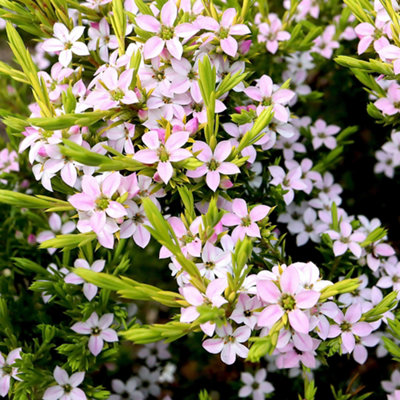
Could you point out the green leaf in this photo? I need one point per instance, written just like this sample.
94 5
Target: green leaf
67 242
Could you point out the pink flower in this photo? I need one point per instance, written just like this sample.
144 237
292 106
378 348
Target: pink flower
346 240
245 220
98 330
245 310
301 349
270 33
390 105
167 35
163 153
366 32
325 44
214 163
67 388
7 371
114 91
348 326
216 262
188 237
212 296
255 385
120 137
323 134
97 199
8 161
229 343
391 53
134 225
288 298
89 290
266 93
224 31
66 43
56 227
289 181
100 38
54 82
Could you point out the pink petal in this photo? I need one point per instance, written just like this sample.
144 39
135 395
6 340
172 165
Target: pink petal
213 180
228 17
109 335
51 393
299 321
142 236
174 46
82 201
289 280
213 346
148 23
60 376
270 315
239 207
89 290
222 150
110 184
169 12
146 156
153 47
348 341
90 186
165 170
307 298
268 291
76 379
258 213
229 46
192 295
96 344
362 329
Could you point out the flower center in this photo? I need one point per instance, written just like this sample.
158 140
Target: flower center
117 95
96 331
102 203
345 326
246 221
223 33
209 265
6 369
67 388
288 302
167 33
163 153
213 165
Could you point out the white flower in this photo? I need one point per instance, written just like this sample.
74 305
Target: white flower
66 43
255 385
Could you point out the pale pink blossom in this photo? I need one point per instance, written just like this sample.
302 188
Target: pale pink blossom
66 43
166 33
224 31
89 289
245 220
163 153
67 388
96 198
255 386
7 371
229 343
288 298
268 94
214 163
346 239
271 33
99 331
